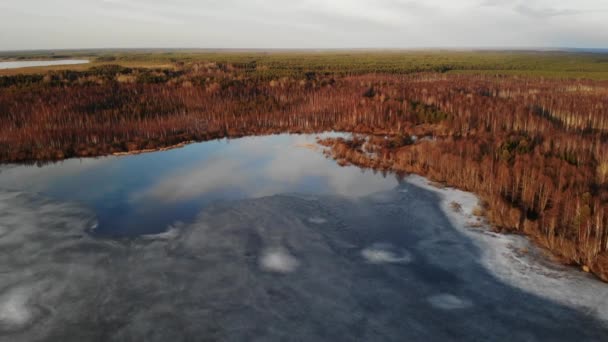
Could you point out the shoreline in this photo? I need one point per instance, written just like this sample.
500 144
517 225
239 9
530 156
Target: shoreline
105 151
149 150
518 260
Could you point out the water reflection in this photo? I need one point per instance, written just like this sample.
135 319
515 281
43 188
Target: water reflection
147 193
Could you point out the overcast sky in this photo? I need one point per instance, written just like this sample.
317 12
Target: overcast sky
55 24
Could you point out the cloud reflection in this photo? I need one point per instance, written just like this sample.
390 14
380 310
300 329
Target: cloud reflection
264 166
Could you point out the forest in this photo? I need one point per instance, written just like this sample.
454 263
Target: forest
533 144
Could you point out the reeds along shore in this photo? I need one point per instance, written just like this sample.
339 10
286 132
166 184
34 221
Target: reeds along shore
534 149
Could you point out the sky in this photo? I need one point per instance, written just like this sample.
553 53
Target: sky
272 24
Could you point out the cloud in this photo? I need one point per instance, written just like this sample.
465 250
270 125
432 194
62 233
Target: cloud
537 9
545 11
37 179
261 167
298 24
206 177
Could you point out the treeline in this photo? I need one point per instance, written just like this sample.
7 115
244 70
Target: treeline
534 149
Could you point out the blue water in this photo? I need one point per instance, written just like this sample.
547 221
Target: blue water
148 193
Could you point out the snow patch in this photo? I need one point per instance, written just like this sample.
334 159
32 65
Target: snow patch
14 312
94 227
169 234
501 255
278 260
446 301
384 253
317 220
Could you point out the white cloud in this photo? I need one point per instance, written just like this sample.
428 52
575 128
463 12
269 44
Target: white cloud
206 177
281 167
301 24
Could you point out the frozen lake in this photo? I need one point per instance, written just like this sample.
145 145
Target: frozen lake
263 238
26 64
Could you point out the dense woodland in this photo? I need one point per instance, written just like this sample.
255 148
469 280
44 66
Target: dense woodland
534 149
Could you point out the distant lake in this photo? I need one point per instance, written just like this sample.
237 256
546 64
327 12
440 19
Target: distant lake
266 239
26 64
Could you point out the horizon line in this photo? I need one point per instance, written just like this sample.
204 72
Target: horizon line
237 49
